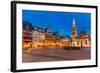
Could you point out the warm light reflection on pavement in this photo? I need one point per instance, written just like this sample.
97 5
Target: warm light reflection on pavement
58 54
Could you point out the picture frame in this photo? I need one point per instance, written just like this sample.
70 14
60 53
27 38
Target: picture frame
25 59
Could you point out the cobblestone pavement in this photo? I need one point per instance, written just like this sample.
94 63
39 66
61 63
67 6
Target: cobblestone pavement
58 54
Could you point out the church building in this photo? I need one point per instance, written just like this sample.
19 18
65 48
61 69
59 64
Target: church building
82 40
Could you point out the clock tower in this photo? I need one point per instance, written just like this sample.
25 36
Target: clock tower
73 30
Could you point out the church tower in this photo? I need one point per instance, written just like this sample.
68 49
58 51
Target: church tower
74 30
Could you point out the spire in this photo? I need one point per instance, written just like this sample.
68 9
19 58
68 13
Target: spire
73 29
74 22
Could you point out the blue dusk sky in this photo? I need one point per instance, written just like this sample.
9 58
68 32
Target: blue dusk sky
59 21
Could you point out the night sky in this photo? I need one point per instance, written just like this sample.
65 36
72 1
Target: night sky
59 21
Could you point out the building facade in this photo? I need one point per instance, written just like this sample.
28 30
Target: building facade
66 41
26 35
83 40
38 34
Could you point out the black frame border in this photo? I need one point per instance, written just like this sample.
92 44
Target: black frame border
13 35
